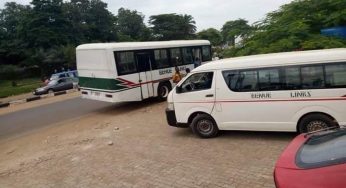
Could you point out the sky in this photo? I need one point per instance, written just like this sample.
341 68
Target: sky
207 13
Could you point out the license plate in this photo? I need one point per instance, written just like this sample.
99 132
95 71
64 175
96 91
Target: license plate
96 93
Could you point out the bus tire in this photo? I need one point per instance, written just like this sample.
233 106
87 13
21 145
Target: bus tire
163 90
315 122
204 126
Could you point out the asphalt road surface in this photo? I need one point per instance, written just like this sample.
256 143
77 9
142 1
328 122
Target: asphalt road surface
20 122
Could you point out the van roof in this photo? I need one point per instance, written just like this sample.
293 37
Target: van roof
142 45
277 59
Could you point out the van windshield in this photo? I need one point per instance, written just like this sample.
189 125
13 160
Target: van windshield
323 150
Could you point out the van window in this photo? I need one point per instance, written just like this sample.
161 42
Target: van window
292 78
247 81
312 77
269 79
242 81
197 82
176 58
161 59
125 63
335 75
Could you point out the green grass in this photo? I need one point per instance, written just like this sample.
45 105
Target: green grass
23 86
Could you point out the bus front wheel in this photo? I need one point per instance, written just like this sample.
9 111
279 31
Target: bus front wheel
315 122
204 126
163 91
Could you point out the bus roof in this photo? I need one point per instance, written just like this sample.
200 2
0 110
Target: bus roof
277 59
121 46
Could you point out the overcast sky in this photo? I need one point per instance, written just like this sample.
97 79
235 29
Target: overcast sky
207 13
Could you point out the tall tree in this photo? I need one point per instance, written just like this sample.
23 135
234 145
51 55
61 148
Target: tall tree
211 34
11 19
233 29
131 25
173 26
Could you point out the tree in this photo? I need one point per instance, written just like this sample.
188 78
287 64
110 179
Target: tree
172 26
211 34
90 21
233 29
296 26
11 19
131 25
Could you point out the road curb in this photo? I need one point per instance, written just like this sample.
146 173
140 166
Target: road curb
34 98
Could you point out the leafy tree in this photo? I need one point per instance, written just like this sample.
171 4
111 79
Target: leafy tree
11 18
90 21
211 34
233 29
172 26
131 25
296 26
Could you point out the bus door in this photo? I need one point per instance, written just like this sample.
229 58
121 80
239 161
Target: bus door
197 55
144 64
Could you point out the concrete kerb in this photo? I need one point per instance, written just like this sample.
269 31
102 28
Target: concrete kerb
34 98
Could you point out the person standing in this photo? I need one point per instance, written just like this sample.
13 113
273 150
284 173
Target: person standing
176 76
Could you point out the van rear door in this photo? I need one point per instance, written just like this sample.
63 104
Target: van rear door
194 94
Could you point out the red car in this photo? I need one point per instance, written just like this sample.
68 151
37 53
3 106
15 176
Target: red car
313 160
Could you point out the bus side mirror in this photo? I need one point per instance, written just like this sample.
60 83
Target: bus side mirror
178 89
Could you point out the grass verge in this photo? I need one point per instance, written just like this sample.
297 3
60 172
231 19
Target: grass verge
23 86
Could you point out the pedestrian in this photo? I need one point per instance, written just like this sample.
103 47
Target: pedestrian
187 70
176 76
45 80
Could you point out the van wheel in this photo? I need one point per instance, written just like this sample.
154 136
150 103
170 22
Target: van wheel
315 122
204 126
163 91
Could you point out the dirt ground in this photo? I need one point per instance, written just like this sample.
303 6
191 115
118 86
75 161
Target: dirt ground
131 145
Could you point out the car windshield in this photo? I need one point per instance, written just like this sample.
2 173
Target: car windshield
323 150
53 82
54 77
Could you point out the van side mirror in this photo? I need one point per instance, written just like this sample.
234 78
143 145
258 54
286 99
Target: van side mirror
178 89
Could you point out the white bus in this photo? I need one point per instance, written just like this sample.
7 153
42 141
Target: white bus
294 91
133 71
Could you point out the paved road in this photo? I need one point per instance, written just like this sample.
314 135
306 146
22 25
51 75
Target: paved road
20 122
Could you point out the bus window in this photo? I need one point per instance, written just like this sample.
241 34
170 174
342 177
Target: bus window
312 77
206 56
336 75
187 56
125 62
176 58
161 59
292 78
196 52
269 79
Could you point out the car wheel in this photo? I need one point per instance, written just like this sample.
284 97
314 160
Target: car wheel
204 126
315 122
50 92
163 91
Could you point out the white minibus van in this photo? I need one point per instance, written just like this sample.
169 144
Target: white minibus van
300 91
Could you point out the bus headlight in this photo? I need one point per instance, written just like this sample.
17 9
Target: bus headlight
170 106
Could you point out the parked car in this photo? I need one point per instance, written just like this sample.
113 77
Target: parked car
55 85
69 74
313 160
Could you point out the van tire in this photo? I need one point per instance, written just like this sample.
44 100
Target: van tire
315 122
204 126
163 90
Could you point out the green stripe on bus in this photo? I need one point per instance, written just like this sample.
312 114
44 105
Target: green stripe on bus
101 83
